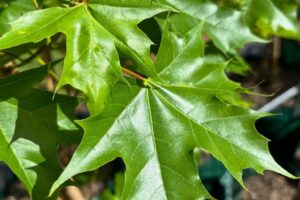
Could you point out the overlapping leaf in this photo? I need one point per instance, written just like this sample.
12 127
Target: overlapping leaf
273 17
31 127
11 10
224 25
180 24
92 31
230 28
157 129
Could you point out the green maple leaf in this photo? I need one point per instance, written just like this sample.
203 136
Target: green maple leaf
228 31
158 129
93 35
180 24
32 125
224 25
231 28
273 17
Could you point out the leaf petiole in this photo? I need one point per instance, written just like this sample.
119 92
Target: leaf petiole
132 73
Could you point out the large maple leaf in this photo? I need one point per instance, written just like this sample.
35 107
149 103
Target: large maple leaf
157 129
32 125
93 34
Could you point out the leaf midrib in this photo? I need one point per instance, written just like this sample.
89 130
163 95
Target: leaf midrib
188 117
212 90
153 140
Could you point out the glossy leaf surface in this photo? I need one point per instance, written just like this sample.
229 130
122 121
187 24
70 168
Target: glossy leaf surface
231 28
157 119
91 62
220 23
157 129
273 17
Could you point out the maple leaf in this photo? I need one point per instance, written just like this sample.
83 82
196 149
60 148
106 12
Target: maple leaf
273 17
230 28
93 35
157 129
32 125
181 23
221 23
